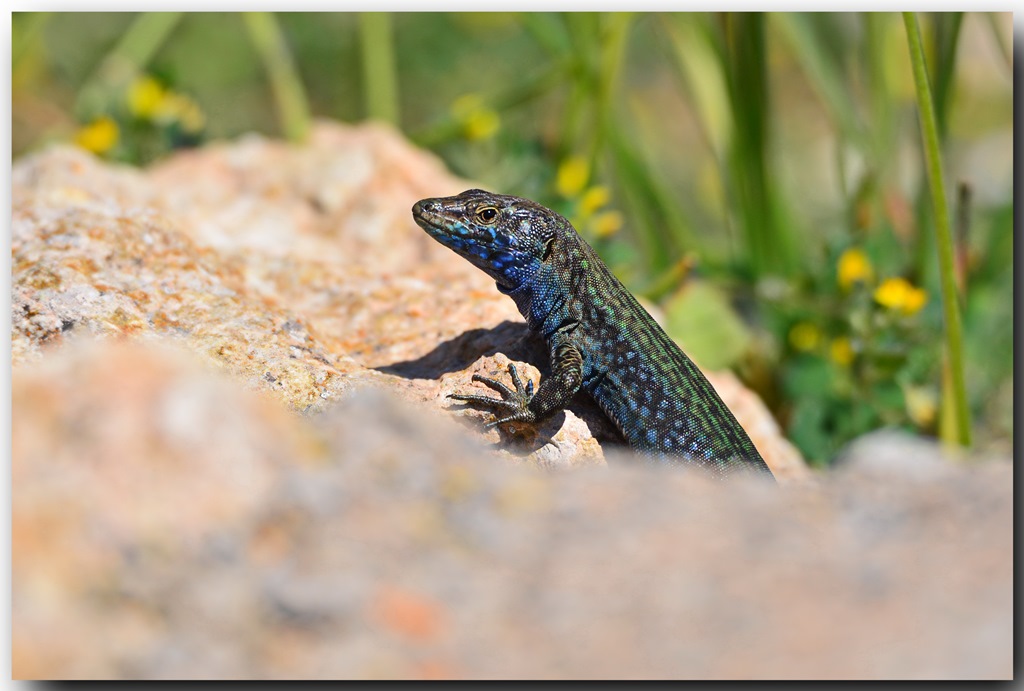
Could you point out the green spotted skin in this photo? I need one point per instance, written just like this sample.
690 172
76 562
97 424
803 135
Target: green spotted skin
601 339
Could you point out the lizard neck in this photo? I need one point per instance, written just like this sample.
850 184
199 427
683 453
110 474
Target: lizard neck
545 302
522 295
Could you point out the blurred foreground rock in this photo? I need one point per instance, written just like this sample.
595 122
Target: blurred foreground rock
175 516
166 524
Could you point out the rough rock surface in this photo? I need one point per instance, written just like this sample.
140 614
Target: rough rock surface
171 518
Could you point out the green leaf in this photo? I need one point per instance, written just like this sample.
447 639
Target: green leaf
700 318
807 430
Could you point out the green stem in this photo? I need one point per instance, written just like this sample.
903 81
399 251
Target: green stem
583 29
612 43
769 242
880 135
289 94
137 46
943 236
946 29
145 36
380 85
963 224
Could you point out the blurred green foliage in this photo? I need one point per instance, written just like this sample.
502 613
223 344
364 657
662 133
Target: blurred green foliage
758 176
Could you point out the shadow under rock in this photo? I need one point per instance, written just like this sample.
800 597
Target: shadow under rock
514 339
518 343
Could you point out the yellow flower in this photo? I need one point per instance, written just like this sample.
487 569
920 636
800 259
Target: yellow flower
192 117
854 266
481 124
921 405
804 336
572 176
916 299
841 351
99 136
593 199
478 121
145 97
180 108
900 295
607 223
466 104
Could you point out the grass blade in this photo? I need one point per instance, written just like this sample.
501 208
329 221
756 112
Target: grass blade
289 94
700 67
943 235
946 27
768 243
380 84
807 41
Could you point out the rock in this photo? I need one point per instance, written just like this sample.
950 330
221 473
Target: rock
169 523
88 273
888 452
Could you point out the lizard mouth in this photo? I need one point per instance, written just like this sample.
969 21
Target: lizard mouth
470 243
436 224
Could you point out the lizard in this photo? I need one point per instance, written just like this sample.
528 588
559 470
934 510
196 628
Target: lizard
600 338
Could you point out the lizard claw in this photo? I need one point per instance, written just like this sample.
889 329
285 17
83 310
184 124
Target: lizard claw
515 378
514 403
495 385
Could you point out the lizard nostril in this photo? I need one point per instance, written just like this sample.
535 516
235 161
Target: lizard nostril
428 205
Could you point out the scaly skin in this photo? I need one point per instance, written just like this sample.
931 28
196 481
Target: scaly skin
601 339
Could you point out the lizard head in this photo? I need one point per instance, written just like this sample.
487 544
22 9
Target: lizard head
507 237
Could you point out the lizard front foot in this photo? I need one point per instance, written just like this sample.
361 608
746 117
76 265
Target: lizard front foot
514 404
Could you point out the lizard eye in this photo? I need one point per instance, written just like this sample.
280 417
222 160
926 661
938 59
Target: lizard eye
487 214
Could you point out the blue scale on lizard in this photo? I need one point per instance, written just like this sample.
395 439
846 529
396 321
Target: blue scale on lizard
601 339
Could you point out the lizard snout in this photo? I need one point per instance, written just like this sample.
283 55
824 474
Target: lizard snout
425 206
